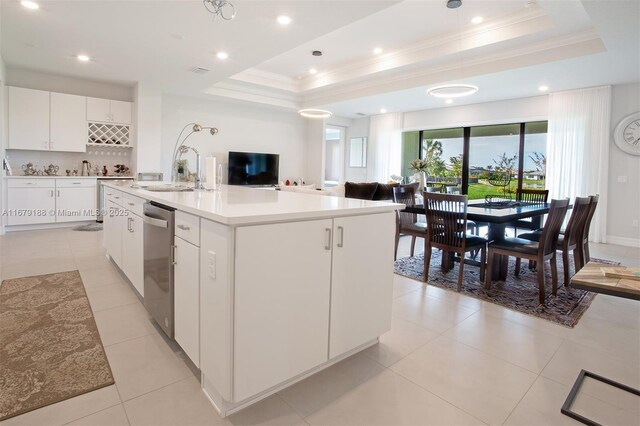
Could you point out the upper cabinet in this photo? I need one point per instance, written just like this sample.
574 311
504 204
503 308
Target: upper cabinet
108 111
28 119
68 123
50 121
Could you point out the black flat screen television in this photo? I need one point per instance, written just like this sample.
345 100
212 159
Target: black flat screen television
252 168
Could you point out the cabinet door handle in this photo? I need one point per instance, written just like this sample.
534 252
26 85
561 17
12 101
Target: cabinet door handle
173 254
58 192
341 231
117 198
327 245
75 183
30 183
51 193
131 204
108 193
183 227
129 222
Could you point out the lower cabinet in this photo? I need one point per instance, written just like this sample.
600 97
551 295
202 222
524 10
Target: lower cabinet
74 204
186 296
113 222
133 250
27 206
281 311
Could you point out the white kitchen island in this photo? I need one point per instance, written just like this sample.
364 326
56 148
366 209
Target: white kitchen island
271 286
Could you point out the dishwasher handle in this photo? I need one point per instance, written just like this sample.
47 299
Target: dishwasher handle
160 223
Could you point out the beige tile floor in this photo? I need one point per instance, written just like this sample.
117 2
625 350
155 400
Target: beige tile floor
449 359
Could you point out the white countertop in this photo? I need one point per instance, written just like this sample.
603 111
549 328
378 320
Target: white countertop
233 205
68 177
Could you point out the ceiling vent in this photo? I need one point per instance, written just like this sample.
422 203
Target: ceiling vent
361 114
199 70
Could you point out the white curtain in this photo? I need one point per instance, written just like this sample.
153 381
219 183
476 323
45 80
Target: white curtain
385 146
578 149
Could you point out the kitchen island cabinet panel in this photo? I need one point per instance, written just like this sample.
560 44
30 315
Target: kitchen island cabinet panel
282 284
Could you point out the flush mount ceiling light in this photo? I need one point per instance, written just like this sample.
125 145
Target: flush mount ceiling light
543 88
313 71
448 101
452 90
222 55
221 8
30 4
284 20
383 110
315 113
83 58
377 50
477 20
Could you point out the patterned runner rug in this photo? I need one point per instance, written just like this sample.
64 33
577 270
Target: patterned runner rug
50 349
516 293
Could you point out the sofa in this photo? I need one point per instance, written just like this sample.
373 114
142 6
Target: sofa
373 191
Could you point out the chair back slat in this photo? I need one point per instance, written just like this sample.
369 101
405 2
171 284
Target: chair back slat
579 214
405 195
592 210
551 230
446 220
533 195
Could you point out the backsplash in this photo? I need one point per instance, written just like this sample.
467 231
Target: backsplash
69 160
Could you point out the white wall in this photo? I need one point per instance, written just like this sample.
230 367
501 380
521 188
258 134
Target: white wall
499 112
73 86
242 127
624 198
358 129
147 129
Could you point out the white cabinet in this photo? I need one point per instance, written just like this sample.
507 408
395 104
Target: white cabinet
361 280
133 250
108 111
46 121
121 112
74 204
68 123
281 303
187 298
31 205
28 119
113 222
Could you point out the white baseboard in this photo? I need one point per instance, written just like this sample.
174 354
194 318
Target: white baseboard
623 241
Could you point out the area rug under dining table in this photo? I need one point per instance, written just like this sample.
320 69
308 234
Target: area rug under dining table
516 293
50 349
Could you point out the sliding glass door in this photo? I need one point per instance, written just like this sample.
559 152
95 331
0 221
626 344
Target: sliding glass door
493 161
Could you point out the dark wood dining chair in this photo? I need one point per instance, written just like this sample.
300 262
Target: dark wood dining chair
446 230
585 256
407 223
540 251
530 196
571 239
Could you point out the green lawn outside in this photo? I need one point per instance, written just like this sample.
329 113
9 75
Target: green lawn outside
477 191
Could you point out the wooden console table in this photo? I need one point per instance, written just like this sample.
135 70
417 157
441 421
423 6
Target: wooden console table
591 278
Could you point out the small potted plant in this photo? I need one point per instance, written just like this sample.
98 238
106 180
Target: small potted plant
420 166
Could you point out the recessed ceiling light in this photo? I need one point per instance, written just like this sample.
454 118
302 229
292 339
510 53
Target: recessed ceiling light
30 4
83 58
448 101
383 111
543 88
222 55
313 71
315 113
284 20
477 20
377 50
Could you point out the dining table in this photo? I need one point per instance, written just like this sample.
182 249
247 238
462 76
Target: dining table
497 216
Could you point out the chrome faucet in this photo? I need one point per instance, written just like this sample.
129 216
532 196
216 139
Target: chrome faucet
180 148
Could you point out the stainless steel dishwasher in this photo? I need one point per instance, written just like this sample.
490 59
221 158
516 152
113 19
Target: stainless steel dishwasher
158 264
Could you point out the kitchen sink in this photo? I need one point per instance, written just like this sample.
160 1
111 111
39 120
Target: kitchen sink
164 188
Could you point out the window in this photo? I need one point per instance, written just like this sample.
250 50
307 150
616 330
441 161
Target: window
485 161
494 153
